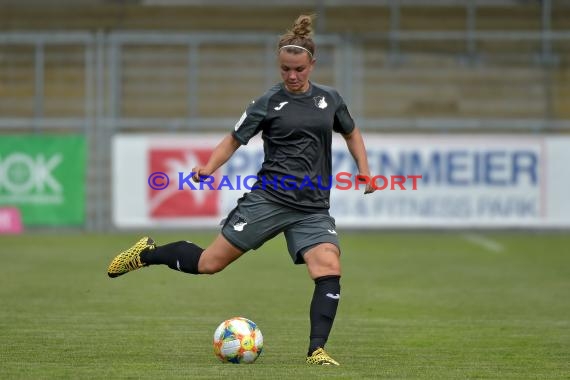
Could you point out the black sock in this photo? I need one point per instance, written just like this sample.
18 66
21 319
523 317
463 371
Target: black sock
323 310
181 255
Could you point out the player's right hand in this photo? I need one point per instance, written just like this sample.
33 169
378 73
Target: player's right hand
199 172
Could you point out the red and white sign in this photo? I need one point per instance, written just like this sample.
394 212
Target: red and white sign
137 203
172 202
467 181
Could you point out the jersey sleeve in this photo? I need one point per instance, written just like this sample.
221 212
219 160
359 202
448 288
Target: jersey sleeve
250 123
343 122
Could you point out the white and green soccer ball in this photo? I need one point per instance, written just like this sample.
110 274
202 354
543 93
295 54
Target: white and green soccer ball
238 340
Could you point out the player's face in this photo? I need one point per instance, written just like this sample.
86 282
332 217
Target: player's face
295 70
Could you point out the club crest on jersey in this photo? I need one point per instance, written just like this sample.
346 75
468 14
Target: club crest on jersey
320 102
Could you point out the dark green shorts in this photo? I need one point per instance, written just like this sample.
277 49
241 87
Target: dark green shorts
256 220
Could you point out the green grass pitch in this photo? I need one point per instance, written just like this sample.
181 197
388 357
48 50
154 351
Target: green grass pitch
414 305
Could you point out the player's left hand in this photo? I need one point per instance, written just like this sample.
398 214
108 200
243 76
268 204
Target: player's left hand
369 189
365 178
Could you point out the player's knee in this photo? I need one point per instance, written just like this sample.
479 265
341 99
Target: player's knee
324 261
332 267
324 269
332 259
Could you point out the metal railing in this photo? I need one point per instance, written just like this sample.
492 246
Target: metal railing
104 74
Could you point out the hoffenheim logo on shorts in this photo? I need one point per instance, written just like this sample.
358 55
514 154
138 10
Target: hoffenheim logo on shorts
239 224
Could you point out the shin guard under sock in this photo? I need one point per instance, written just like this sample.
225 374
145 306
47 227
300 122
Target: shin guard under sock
181 255
323 310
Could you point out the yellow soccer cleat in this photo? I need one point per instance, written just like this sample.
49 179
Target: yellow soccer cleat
320 357
130 259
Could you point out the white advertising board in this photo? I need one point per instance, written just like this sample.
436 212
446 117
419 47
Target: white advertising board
467 181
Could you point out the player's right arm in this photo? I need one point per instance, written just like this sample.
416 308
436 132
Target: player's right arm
221 154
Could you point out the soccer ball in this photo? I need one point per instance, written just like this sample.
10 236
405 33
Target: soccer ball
238 340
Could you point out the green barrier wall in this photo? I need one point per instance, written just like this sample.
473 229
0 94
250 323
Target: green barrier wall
44 176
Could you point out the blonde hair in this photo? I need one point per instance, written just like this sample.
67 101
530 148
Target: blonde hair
298 38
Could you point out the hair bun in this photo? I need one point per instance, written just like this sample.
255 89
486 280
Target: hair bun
303 26
299 35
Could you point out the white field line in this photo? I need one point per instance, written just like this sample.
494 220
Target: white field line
482 241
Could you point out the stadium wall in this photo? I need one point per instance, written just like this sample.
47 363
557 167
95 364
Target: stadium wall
461 182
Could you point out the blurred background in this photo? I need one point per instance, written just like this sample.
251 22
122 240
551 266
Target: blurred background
472 94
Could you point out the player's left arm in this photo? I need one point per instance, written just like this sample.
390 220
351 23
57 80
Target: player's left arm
355 144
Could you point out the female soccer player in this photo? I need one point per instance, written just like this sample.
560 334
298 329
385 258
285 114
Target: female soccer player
296 118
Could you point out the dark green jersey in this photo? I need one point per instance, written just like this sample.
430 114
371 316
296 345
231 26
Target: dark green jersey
297 134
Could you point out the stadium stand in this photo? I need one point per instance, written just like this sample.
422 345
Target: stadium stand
64 88
484 89
16 81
